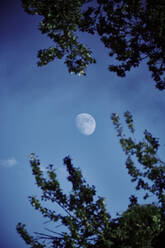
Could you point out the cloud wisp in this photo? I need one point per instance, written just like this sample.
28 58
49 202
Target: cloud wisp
8 163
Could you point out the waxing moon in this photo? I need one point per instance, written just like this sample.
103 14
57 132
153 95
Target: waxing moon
85 123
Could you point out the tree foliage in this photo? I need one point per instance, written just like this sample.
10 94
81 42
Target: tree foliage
130 32
150 176
85 218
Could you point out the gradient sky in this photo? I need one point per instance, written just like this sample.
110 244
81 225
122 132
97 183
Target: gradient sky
38 107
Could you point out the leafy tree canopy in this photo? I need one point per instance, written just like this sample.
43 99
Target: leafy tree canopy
130 32
85 217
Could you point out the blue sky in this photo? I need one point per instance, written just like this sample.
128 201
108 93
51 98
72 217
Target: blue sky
38 108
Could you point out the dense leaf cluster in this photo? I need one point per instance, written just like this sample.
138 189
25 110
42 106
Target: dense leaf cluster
130 32
85 218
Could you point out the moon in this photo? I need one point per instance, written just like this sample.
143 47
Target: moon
85 123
